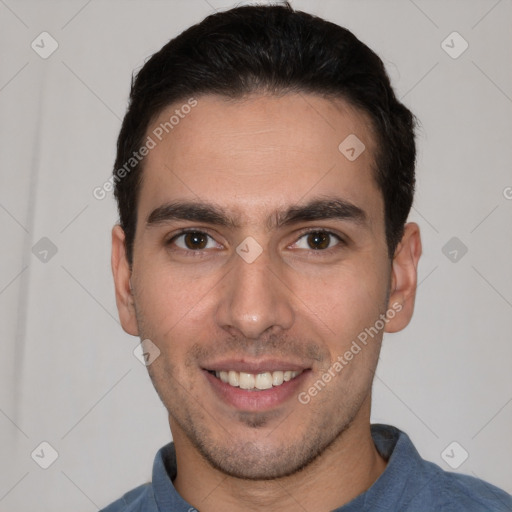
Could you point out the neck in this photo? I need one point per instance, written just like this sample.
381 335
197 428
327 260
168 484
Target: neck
346 469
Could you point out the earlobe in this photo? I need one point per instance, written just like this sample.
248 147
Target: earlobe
404 278
122 280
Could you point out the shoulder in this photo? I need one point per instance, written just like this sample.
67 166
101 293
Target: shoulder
140 499
413 484
144 498
454 492
474 494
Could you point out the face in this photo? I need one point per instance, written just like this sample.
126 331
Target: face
259 258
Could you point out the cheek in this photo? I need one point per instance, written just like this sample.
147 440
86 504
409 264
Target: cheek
170 303
171 314
346 299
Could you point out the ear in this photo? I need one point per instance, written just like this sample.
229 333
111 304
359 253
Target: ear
404 278
122 273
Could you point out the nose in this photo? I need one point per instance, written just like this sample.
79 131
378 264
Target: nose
254 299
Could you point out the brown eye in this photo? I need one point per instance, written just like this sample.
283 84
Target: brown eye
195 240
318 240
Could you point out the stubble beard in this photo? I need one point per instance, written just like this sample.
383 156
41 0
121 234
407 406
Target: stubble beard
256 461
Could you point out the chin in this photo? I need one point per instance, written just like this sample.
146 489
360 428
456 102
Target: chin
265 458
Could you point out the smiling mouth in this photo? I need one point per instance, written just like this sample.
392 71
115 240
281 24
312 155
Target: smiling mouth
255 381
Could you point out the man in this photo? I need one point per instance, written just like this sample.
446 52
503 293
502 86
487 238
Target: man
264 175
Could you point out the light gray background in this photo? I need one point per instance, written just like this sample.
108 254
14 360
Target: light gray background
68 374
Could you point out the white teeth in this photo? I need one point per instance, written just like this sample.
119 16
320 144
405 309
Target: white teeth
234 378
265 380
247 380
277 378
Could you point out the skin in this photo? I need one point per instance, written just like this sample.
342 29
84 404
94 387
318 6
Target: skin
292 303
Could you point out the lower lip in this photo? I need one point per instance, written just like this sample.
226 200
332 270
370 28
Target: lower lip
257 400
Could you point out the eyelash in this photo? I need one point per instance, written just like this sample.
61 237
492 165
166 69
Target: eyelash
318 252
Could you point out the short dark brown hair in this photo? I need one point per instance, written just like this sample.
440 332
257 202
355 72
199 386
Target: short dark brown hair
272 49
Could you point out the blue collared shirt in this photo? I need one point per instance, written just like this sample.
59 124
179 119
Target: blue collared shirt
408 484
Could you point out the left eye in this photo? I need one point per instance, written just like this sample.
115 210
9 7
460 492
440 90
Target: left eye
194 240
317 240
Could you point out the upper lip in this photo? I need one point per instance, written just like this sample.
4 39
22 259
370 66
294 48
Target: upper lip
263 366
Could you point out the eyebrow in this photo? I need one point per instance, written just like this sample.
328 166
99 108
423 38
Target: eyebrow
317 209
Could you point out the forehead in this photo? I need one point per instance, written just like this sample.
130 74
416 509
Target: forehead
263 152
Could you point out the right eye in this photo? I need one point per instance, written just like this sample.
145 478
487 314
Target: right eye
191 240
